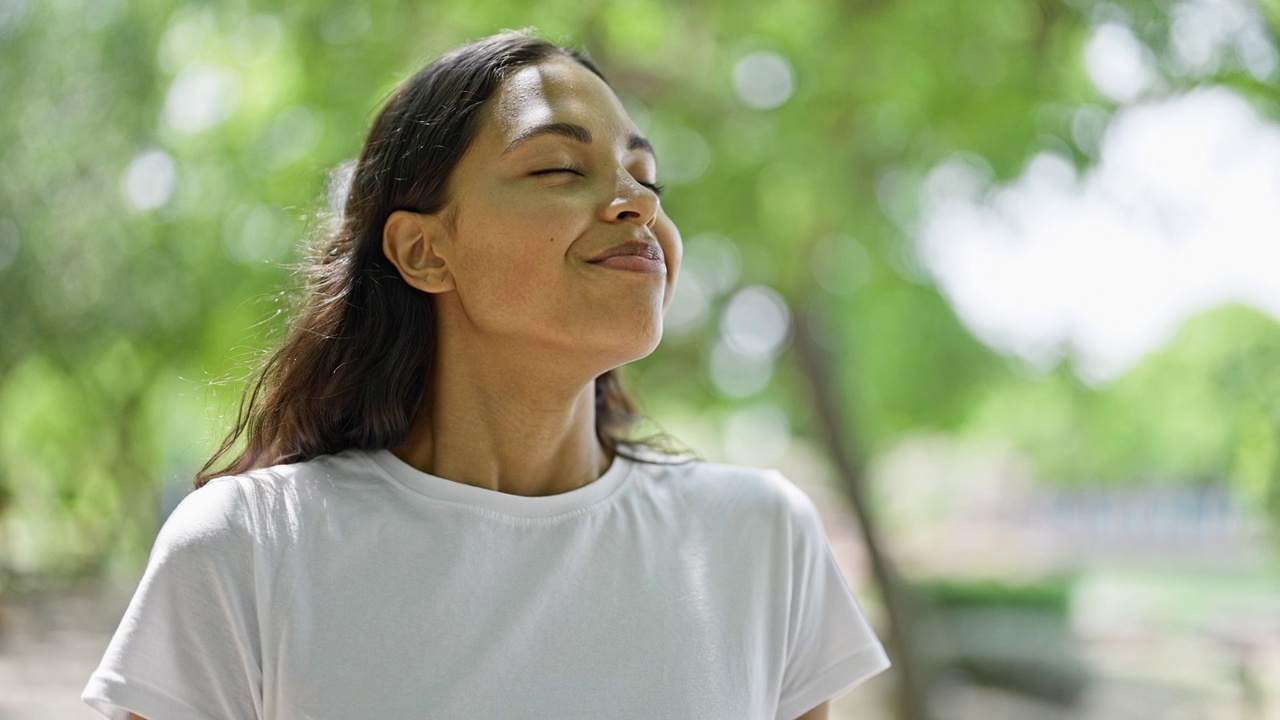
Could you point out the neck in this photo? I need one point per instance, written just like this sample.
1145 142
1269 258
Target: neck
521 431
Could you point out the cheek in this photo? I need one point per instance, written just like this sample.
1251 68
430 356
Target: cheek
512 256
668 236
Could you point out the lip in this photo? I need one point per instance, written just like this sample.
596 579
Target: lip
633 256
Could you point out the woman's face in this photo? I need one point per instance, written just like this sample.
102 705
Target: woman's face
559 240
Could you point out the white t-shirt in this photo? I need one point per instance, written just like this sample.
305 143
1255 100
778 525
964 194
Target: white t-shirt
354 586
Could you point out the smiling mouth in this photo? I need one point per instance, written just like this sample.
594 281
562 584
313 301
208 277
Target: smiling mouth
633 256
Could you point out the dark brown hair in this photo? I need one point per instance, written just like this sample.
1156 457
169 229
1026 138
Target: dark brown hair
354 364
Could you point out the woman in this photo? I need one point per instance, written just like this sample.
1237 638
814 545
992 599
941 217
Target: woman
437 512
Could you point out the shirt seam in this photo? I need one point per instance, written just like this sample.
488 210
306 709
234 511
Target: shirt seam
877 662
111 686
596 505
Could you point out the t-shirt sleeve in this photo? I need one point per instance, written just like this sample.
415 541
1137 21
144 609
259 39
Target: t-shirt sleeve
830 646
188 645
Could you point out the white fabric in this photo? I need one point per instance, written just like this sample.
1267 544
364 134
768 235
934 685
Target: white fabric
354 586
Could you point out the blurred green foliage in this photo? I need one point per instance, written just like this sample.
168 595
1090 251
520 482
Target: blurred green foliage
162 162
1204 408
1052 595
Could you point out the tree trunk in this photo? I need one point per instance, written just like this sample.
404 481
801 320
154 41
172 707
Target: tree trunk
839 434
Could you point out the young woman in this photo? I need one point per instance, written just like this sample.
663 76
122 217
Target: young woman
437 512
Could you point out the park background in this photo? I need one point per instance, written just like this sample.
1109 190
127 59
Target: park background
995 281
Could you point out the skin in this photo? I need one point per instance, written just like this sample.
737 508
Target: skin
526 322
818 713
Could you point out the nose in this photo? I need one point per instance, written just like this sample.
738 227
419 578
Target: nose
632 202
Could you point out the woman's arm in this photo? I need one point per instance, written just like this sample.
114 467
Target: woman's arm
818 713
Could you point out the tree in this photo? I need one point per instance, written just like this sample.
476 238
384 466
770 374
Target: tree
163 160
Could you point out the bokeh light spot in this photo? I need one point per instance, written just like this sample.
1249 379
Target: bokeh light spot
1119 65
201 97
338 187
756 321
149 180
763 80
715 260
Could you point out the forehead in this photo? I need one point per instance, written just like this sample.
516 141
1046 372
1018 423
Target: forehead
558 89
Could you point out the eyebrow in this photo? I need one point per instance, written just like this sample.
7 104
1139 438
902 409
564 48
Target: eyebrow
574 132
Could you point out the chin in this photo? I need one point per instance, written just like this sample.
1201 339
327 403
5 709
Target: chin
639 343
653 342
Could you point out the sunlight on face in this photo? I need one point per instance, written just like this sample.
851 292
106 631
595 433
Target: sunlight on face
560 239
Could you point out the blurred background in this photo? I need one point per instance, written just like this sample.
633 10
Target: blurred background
995 281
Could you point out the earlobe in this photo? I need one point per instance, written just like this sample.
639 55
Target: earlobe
411 241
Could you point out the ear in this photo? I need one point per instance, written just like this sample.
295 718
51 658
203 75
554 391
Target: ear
412 241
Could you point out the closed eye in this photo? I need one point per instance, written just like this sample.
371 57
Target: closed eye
656 187
551 171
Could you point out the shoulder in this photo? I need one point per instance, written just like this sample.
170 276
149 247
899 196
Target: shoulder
723 487
215 512
284 489
260 502
751 484
325 470
204 541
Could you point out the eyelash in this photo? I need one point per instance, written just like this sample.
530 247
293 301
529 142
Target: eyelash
657 188
549 171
